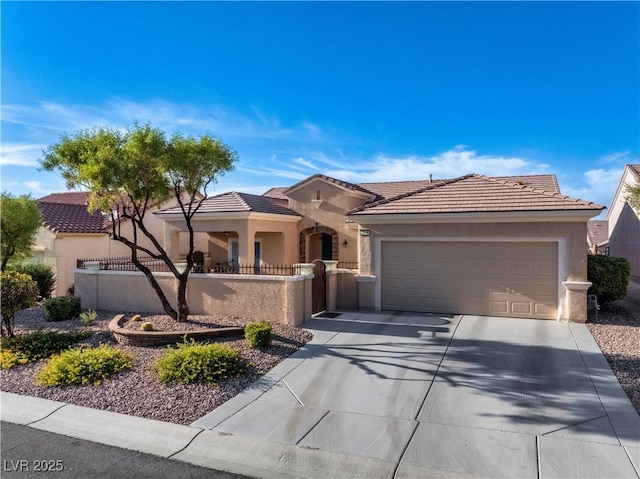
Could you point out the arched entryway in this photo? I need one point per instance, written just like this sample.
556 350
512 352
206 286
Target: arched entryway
321 242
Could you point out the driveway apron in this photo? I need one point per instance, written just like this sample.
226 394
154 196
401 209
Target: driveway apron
445 396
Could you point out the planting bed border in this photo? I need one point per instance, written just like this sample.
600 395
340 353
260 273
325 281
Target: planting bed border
160 338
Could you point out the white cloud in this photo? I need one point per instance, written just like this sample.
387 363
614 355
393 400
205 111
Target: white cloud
20 154
597 185
57 118
455 162
616 157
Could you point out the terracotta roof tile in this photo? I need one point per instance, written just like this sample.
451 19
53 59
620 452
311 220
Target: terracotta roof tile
67 213
277 193
475 193
234 202
598 231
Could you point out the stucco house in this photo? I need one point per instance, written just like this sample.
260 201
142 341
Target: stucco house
598 237
499 246
70 232
624 223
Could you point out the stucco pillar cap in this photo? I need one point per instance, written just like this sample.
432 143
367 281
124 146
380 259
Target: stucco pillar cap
361 278
577 285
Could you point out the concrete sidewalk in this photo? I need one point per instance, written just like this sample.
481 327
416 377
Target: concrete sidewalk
383 395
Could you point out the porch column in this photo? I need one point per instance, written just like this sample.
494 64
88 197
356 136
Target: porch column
172 242
246 247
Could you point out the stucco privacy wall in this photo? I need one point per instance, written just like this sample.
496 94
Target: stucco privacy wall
279 299
570 236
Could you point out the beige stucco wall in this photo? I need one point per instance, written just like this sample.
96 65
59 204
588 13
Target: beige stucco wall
62 250
279 238
570 235
329 211
347 290
277 299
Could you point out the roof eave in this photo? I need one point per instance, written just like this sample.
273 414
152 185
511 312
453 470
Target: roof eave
231 215
476 217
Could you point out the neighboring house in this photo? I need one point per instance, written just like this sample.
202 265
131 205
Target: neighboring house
70 232
598 236
624 222
508 246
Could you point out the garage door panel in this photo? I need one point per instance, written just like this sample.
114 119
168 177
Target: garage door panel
509 279
520 308
498 307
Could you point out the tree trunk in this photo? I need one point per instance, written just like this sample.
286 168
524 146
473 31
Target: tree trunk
156 287
183 308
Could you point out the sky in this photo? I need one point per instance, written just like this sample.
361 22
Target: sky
360 91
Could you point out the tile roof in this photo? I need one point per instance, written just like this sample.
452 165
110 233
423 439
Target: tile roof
635 169
234 202
277 193
67 213
598 231
343 184
475 193
390 189
542 182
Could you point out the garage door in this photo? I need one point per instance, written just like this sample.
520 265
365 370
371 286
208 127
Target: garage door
494 279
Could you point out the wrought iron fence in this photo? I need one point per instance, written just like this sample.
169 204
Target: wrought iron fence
347 265
123 263
156 265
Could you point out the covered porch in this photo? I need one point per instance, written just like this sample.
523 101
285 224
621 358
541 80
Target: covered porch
240 229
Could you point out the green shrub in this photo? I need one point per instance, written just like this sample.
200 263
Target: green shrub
146 327
136 317
83 366
17 291
204 363
62 308
258 334
610 277
88 317
41 273
30 347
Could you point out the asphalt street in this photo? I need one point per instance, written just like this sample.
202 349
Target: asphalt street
31 453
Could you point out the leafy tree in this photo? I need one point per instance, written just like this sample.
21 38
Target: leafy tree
127 172
20 219
18 291
634 197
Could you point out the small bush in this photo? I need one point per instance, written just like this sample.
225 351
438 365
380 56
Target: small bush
62 308
30 347
88 317
83 366
18 291
203 363
146 327
136 317
610 277
41 273
258 334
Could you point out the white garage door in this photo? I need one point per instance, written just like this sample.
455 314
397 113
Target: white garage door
490 279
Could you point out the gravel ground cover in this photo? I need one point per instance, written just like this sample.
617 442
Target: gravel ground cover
138 392
617 332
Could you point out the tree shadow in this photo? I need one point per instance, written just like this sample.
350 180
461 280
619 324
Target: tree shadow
546 386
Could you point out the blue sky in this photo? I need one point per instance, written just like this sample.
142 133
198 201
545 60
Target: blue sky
362 91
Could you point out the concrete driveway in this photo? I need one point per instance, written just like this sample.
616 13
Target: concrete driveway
383 395
410 395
